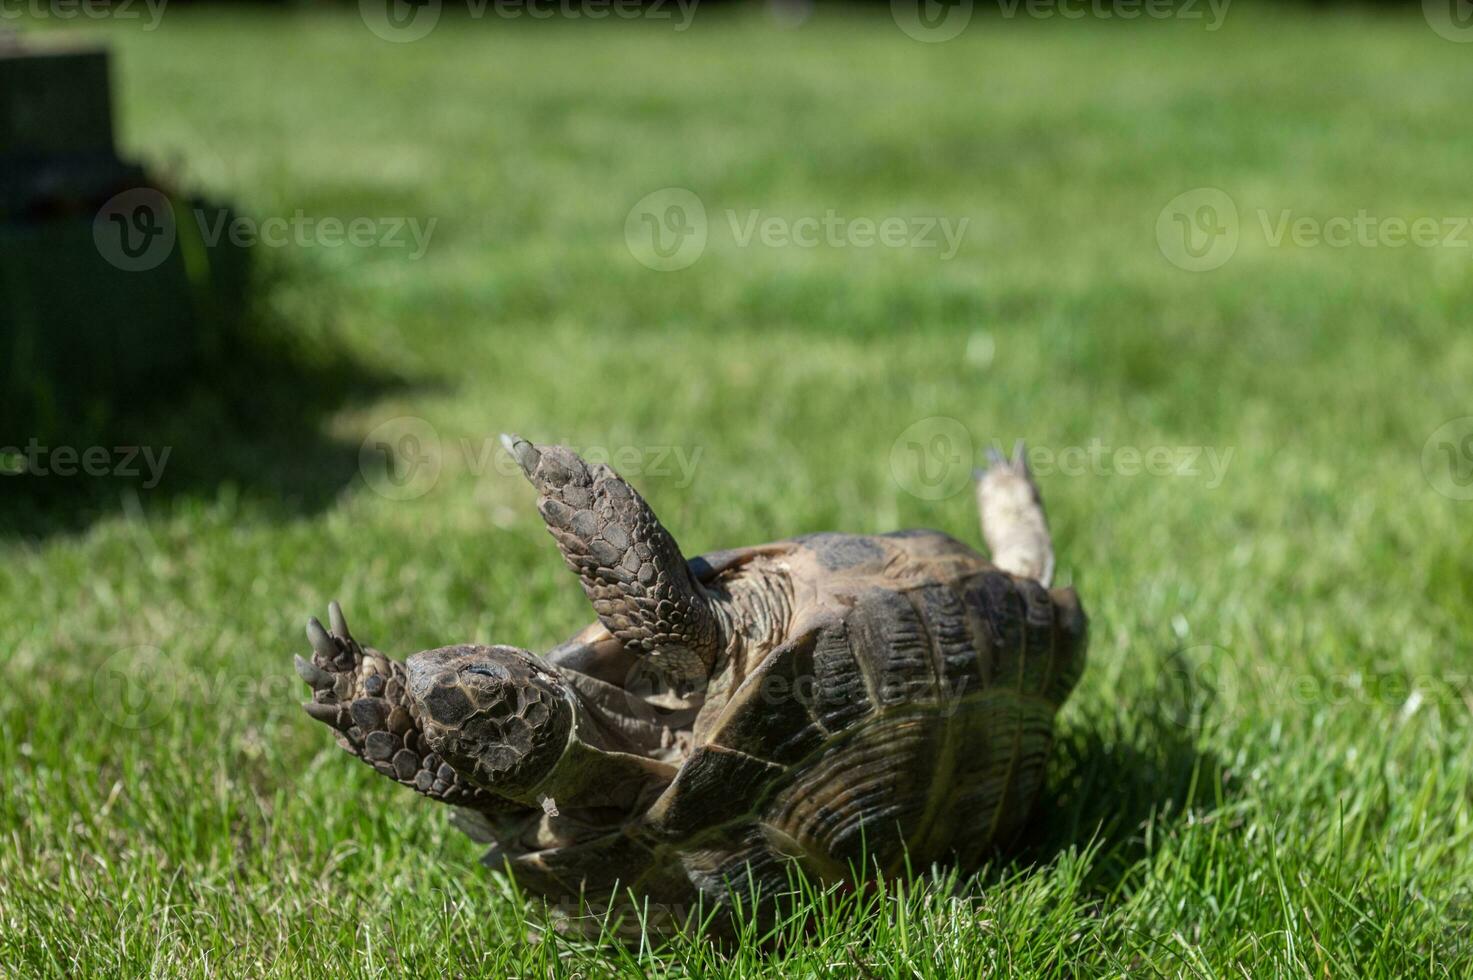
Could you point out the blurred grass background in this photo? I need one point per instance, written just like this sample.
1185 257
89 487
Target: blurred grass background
1266 768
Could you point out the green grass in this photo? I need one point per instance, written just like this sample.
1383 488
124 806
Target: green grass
1266 769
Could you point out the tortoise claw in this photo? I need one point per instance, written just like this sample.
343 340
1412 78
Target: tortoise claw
522 451
312 674
322 644
338 620
325 713
1018 459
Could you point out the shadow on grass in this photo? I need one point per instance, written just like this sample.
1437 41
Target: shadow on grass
1117 778
248 423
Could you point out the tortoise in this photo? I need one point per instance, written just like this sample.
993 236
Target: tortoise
834 704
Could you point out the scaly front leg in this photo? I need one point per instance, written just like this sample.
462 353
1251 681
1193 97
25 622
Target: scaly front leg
364 697
494 730
631 568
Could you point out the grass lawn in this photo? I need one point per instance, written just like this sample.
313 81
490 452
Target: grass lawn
1266 768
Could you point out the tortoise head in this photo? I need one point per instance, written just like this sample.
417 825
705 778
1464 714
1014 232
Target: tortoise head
496 714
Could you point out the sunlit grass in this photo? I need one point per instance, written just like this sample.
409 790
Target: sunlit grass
1265 769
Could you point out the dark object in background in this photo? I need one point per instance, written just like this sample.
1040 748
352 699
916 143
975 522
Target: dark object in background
105 299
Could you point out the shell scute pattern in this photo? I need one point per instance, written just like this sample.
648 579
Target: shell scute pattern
925 729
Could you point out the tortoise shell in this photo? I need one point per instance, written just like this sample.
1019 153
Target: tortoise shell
846 705
906 716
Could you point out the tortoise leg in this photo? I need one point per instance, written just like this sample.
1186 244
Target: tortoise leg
509 723
630 566
363 696
1013 522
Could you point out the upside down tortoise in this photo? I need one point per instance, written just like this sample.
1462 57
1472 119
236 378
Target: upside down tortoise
840 703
